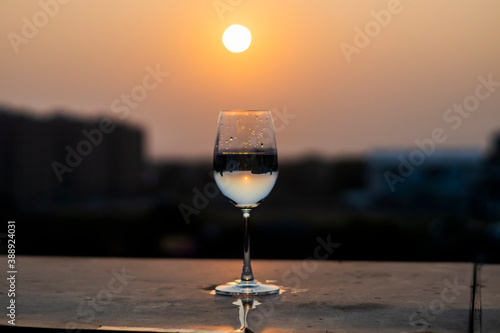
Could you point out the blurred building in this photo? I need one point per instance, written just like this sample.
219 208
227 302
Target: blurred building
489 192
35 168
444 183
440 183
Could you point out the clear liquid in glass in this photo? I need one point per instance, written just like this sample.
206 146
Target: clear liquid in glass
246 178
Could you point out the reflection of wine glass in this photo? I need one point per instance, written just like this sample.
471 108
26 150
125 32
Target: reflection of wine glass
245 169
245 305
254 312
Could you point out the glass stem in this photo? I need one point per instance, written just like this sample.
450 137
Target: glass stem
246 274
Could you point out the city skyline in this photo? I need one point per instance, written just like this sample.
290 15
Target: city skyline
341 77
75 172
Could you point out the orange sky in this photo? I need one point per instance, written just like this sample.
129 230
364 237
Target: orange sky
396 88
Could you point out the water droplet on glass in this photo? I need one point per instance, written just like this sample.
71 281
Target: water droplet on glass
231 139
226 141
262 145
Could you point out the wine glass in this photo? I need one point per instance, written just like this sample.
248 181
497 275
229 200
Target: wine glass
245 169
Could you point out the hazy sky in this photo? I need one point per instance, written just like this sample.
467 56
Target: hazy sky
342 76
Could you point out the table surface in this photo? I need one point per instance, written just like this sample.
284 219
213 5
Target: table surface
176 295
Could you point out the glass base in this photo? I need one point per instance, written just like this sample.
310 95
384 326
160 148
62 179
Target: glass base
246 289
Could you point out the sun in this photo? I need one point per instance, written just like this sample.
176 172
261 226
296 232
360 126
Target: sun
236 38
